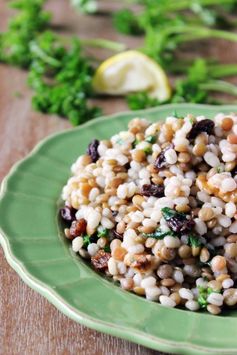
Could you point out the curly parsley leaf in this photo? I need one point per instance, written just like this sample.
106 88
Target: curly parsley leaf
102 232
141 100
194 241
159 234
86 241
126 21
151 139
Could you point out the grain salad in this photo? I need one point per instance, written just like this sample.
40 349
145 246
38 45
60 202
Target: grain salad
154 208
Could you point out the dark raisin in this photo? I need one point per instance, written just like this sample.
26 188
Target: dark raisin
153 190
160 161
78 228
92 150
93 238
201 126
234 171
177 221
127 166
68 213
180 225
100 260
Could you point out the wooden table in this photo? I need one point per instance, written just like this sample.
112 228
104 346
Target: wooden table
29 324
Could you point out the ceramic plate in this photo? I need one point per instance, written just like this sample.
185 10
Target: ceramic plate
34 246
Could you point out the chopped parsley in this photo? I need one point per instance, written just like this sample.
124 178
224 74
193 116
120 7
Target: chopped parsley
102 232
204 292
135 143
107 249
175 114
159 234
147 150
169 213
151 139
86 241
219 169
194 241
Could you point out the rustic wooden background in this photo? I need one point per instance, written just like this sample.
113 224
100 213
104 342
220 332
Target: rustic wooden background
28 323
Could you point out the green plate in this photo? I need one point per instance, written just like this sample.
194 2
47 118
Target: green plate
34 247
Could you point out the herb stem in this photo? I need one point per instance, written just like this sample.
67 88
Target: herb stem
45 57
171 5
221 70
189 33
220 86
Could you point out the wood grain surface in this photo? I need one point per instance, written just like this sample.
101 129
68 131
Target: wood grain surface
29 324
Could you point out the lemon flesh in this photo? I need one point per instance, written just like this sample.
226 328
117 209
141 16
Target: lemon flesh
131 71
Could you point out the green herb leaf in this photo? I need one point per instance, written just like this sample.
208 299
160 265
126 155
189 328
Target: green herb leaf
210 290
86 241
107 249
125 21
102 232
141 100
202 298
135 143
151 139
194 240
147 150
175 114
159 234
219 169
169 213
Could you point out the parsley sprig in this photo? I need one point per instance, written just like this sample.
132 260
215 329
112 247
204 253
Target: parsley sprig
59 72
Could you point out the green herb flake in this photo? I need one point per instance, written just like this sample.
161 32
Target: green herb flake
202 298
194 241
147 150
141 100
175 114
210 290
169 213
219 169
202 301
159 234
126 22
86 241
204 292
151 139
102 233
107 249
135 143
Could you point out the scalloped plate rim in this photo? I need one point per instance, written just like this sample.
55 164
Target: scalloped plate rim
46 291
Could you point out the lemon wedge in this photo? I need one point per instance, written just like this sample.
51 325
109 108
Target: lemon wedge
131 71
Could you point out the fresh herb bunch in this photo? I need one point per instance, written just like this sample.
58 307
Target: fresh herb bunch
166 26
201 78
23 28
204 292
141 100
127 22
61 79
